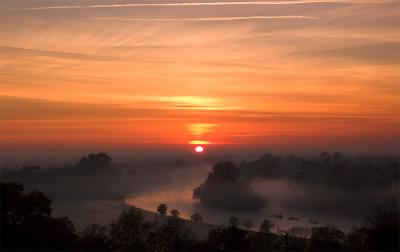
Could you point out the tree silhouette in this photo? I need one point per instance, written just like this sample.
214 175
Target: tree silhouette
172 235
175 213
384 230
224 172
162 209
265 236
214 241
326 238
223 189
95 237
100 162
266 226
129 231
297 238
26 222
248 224
196 217
358 239
234 221
229 239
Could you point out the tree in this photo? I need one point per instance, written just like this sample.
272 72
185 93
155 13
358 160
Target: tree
326 238
234 221
265 236
172 235
380 233
100 162
27 224
214 241
297 238
229 239
129 231
300 232
384 229
224 172
196 217
248 224
358 239
266 226
175 213
162 209
95 237
224 190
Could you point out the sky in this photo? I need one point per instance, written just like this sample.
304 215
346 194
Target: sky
291 75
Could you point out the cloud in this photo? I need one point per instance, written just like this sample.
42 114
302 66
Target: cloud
188 4
199 129
384 53
204 18
19 108
55 54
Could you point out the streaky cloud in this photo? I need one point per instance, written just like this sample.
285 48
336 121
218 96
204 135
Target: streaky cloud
188 4
203 18
56 54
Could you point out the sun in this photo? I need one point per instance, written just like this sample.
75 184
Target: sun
199 149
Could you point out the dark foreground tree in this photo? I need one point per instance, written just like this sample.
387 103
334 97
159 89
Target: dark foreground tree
327 238
129 231
95 237
384 230
229 239
172 235
380 234
27 224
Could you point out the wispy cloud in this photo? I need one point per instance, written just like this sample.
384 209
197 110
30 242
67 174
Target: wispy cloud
204 18
199 129
55 54
378 53
187 4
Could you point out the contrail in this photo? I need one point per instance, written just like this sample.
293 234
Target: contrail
205 4
203 19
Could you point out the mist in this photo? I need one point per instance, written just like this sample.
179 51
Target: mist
291 190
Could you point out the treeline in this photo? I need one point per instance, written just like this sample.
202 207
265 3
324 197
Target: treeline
347 185
348 172
27 224
94 176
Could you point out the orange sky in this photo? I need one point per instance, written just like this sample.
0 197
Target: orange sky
295 75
